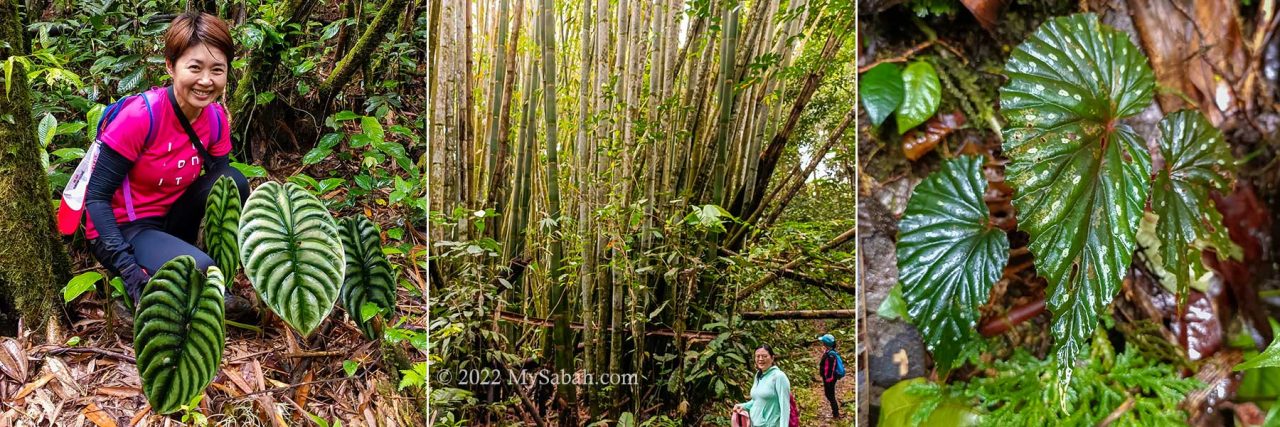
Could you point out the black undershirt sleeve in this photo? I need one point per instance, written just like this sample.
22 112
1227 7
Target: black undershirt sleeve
219 162
108 176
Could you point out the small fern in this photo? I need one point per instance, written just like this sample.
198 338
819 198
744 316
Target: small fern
1016 394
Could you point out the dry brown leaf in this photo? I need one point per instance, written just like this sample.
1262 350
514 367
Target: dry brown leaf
257 372
27 389
13 360
6 418
987 11
238 379
43 402
300 394
228 390
269 409
920 141
122 392
69 388
97 416
1196 47
140 415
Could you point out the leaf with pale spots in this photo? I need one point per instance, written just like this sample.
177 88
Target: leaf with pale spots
949 256
1080 176
1196 160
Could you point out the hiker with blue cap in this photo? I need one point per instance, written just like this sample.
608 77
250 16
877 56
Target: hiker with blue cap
831 366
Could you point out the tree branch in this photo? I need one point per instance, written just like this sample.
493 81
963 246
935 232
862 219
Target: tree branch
799 314
368 42
773 276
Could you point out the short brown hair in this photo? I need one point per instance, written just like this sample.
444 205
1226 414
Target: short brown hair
193 28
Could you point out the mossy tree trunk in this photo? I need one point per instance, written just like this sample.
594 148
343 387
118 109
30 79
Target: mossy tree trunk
359 54
259 75
33 262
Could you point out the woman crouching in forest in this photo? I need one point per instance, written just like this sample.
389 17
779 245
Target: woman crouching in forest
770 404
159 157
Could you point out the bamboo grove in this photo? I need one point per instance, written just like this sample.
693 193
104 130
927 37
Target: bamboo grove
603 169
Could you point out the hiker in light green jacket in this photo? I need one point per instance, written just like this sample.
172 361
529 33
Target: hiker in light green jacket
770 404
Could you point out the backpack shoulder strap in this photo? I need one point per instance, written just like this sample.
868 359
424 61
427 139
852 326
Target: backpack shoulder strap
222 111
151 123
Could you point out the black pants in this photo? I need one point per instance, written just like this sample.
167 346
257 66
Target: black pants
830 389
157 240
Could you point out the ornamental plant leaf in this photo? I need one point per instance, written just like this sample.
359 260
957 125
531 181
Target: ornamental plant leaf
902 408
881 91
1080 176
1196 159
921 95
222 225
369 279
292 254
178 333
1269 358
949 256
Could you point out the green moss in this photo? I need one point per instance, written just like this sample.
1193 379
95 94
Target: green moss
33 263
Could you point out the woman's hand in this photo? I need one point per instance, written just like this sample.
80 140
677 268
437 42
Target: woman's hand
135 278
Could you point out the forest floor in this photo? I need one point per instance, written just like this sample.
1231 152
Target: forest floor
887 179
271 377
94 380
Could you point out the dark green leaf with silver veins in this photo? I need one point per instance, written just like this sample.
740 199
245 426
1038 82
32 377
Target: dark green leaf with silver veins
369 278
178 333
1196 161
292 254
949 256
222 225
1080 176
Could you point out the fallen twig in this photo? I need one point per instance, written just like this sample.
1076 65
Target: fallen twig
1118 412
306 354
293 386
900 58
91 350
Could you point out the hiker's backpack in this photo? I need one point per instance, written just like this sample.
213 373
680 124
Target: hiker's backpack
839 365
71 211
795 412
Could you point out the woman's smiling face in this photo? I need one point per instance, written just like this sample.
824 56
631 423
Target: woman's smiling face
199 77
763 359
